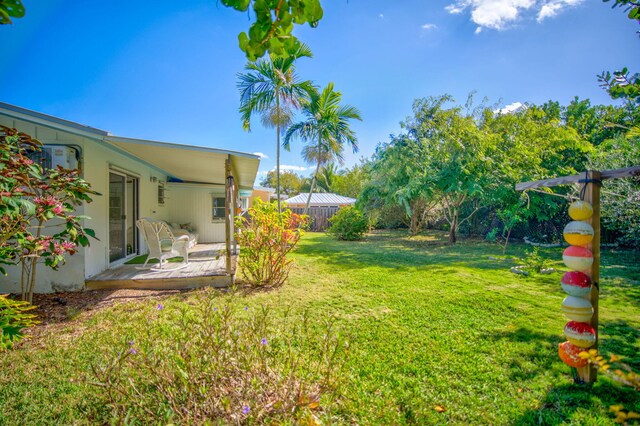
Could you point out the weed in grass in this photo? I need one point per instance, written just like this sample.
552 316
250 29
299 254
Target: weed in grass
221 362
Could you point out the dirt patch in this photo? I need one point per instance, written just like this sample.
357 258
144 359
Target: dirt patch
62 307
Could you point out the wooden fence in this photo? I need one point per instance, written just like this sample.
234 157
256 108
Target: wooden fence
319 216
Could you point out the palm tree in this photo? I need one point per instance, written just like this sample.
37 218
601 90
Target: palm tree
272 89
327 176
326 130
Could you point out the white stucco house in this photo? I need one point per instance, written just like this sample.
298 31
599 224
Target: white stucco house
136 178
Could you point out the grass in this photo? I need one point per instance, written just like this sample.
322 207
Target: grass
438 334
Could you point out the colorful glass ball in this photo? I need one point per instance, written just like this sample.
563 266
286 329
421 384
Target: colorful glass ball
578 233
580 334
577 258
577 309
580 210
570 355
576 283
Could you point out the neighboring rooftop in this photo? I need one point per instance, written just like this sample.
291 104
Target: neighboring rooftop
321 199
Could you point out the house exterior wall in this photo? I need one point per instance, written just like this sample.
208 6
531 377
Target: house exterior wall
95 163
99 160
199 213
263 195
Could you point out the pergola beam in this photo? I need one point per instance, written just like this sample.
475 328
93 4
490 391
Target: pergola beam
567 180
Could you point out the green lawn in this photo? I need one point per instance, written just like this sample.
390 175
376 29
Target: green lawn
430 325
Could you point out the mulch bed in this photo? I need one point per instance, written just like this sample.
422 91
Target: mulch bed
61 307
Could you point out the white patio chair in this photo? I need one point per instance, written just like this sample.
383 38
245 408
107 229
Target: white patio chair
162 243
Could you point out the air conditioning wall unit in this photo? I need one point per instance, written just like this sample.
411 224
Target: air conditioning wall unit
52 156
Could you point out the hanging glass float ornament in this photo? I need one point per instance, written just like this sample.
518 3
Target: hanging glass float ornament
570 355
580 334
578 233
577 309
576 283
580 210
578 258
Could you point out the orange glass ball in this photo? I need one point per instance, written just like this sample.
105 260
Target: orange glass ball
570 355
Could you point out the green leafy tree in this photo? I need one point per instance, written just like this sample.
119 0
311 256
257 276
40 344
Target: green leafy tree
290 182
272 89
620 198
458 157
529 145
325 130
10 9
623 84
398 177
270 32
327 177
274 22
350 182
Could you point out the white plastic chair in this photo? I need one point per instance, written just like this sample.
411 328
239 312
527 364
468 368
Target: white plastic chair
162 243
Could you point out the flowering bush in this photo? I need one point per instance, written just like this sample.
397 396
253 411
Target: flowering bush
348 224
266 237
623 374
30 197
212 363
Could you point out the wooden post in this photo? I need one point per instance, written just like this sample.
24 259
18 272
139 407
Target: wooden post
236 194
227 212
592 195
588 374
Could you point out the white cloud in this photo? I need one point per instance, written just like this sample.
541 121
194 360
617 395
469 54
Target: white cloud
261 155
478 30
455 9
514 107
292 168
554 7
501 14
285 168
429 27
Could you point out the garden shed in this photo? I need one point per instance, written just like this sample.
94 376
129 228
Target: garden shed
321 208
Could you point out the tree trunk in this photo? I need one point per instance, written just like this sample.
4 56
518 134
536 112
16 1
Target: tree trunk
506 242
415 226
313 184
278 151
32 282
454 225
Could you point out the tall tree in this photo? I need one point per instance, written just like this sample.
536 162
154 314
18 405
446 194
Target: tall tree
349 182
327 177
272 89
274 22
290 182
326 130
623 84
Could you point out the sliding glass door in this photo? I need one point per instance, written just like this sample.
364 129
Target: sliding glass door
123 213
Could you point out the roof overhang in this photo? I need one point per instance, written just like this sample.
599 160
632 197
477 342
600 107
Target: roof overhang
189 163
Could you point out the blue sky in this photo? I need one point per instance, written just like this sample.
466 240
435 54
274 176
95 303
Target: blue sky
168 70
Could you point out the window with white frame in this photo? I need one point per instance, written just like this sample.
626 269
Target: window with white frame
218 210
161 193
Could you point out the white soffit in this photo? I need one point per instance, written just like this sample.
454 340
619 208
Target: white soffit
192 163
